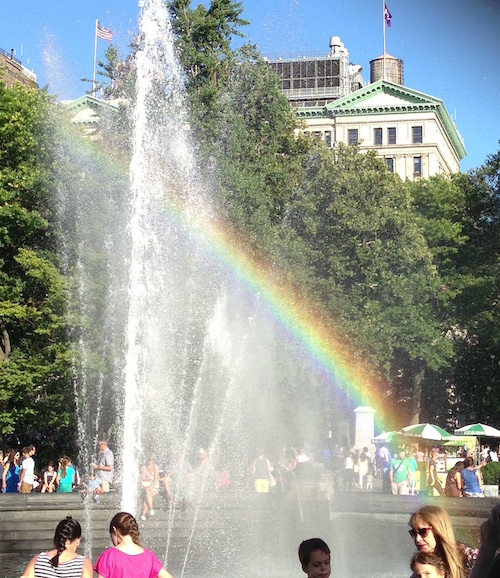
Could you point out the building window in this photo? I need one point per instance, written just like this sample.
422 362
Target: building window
377 136
317 134
417 166
390 164
391 135
352 136
416 134
328 138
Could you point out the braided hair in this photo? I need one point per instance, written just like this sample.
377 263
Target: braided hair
67 529
126 525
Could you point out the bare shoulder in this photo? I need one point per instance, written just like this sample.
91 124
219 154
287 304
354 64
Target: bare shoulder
88 571
29 571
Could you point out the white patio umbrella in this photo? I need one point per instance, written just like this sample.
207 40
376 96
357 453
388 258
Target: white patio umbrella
386 437
426 431
478 429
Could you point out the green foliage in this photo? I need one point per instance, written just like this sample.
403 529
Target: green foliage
407 272
257 154
204 38
364 255
477 368
35 391
491 474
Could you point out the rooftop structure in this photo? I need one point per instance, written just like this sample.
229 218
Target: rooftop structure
14 71
317 80
412 131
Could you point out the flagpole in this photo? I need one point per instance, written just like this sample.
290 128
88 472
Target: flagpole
95 58
383 28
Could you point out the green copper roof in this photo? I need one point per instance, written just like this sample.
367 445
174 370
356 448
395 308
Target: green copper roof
414 101
88 101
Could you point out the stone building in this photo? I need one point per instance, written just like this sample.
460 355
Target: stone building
411 130
12 71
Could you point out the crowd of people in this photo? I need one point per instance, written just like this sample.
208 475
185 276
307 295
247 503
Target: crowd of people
411 470
19 474
404 471
438 553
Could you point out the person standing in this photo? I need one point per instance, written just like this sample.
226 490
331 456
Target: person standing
10 476
422 469
363 464
103 469
348 471
412 474
261 470
399 473
27 476
150 479
433 481
127 558
63 559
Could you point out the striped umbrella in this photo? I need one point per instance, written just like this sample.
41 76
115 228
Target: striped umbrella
387 437
478 429
426 431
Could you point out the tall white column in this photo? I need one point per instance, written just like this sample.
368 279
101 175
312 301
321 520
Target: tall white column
365 427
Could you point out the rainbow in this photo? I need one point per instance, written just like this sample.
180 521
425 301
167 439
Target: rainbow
302 319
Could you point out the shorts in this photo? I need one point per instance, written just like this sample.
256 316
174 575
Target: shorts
262 486
26 488
97 483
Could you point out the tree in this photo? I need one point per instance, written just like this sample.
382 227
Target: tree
364 255
477 367
257 155
204 38
35 392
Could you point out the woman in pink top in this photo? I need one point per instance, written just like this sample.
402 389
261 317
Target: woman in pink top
127 558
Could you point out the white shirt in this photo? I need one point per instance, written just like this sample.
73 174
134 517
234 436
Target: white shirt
28 466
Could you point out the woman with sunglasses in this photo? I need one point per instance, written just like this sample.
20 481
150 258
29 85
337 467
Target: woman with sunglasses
432 532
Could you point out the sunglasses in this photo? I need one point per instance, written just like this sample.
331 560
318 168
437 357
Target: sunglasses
422 532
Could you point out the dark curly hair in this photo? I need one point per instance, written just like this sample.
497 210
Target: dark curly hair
67 529
126 525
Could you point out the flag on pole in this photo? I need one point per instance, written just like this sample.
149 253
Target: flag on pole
387 15
104 33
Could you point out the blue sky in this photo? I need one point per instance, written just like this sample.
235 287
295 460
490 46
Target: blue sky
450 48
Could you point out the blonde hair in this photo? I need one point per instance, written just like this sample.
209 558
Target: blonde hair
446 545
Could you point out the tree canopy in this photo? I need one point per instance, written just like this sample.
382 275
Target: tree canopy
407 271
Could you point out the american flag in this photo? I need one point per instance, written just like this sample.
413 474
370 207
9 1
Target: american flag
104 33
387 15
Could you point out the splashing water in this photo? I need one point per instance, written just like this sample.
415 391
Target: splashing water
193 357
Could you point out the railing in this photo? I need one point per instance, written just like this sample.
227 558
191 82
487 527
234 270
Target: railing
10 55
